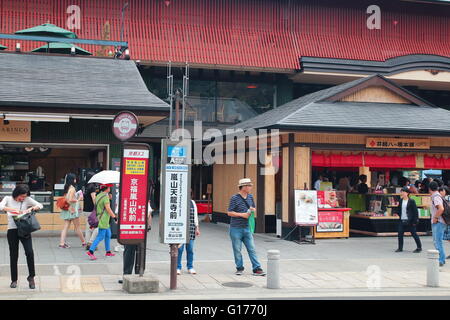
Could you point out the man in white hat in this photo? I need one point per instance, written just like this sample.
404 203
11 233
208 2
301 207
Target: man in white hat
240 209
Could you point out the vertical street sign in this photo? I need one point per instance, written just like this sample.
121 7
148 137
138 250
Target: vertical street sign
175 191
175 198
133 194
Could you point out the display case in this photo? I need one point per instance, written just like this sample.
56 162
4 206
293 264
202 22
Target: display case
378 217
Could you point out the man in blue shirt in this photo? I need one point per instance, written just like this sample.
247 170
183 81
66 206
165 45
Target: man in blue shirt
240 209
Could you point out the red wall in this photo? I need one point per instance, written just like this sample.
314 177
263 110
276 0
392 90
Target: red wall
259 33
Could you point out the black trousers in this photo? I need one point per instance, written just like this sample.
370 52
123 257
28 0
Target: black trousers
402 227
13 242
131 258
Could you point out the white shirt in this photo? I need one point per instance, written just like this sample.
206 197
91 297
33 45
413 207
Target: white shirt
404 214
317 184
9 202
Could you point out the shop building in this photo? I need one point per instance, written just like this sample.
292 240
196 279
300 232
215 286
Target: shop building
367 126
248 57
55 117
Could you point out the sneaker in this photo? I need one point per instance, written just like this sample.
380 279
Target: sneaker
178 271
259 272
399 250
120 281
418 250
13 284
441 264
448 257
192 271
110 254
91 256
64 246
67 246
239 272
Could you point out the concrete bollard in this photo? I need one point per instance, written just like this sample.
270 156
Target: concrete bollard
433 268
273 269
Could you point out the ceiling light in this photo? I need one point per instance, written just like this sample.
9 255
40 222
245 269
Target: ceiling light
37 117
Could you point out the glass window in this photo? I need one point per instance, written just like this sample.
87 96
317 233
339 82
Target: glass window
259 96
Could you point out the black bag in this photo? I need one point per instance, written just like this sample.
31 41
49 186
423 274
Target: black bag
446 213
27 224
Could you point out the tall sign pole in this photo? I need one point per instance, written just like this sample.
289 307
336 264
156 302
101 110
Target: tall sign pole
134 186
175 198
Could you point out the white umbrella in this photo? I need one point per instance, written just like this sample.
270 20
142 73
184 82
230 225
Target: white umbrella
106 177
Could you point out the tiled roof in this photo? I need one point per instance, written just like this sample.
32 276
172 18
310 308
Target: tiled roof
73 82
245 33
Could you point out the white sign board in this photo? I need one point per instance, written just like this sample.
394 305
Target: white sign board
306 210
176 201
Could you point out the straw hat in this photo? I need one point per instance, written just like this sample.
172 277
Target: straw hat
245 182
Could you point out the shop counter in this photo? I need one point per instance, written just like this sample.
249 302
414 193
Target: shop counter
333 223
386 226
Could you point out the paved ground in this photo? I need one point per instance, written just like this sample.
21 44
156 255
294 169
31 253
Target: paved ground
363 267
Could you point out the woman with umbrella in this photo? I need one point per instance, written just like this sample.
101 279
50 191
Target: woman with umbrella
104 212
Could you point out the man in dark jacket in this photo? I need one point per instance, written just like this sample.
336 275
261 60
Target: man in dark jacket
409 219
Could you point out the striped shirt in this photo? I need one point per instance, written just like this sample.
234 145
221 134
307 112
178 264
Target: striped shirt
237 204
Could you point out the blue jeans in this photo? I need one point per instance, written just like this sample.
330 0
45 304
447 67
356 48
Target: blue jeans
438 233
189 253
103 234
239 236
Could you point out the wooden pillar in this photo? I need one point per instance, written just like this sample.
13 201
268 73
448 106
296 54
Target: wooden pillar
302 168
285 185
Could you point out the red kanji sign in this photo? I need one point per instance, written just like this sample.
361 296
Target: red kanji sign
133 194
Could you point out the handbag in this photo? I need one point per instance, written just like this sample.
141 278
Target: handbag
62 203
92 218
27 224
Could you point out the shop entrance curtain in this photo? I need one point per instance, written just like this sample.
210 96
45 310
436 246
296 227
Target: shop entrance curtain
390 162
436 163
336 160
364 160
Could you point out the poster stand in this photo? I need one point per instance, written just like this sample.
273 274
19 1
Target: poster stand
306 239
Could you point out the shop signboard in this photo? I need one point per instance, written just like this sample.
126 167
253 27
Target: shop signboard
125 125
175 191
133 194
306 209
330 221
397 143
15 131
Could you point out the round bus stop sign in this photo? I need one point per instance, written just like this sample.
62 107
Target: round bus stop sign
125 125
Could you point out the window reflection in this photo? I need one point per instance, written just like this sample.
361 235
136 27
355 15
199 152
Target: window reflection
220 101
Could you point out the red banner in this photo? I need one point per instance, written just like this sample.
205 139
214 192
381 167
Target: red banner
133 194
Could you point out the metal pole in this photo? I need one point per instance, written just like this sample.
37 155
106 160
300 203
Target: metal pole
170 94
173 266
122 20
142 249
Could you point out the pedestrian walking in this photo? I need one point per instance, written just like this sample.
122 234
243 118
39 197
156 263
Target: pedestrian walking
409 219
194 231
131 253
71 215
240 209
19 203
104 212
438 225
89 195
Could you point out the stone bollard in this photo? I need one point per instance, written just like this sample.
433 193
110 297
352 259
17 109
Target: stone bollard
273 269
433 268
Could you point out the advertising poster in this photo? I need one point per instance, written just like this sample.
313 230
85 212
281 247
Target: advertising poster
134 192
331 199
306 208
330 221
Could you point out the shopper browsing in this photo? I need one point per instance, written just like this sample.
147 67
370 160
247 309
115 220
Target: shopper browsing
19 203
240 209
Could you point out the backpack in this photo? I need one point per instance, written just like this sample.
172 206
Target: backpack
446 213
